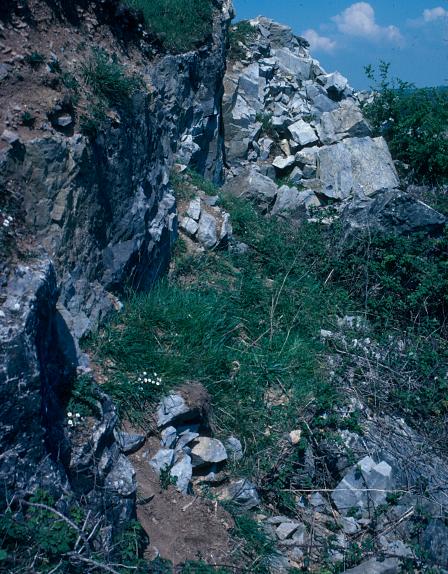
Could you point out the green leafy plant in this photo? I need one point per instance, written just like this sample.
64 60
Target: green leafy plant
180 25
414 123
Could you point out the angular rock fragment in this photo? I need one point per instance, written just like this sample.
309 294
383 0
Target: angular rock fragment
207 450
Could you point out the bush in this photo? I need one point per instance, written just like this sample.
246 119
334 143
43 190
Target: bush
414 123
180 25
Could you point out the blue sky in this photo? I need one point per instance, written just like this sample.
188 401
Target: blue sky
410 34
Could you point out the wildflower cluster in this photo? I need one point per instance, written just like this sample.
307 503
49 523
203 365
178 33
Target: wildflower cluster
7 219
148 379
74 419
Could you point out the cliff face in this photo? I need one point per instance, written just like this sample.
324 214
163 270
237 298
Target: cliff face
91 217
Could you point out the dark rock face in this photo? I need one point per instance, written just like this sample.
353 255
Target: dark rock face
396 211
37 366
99 215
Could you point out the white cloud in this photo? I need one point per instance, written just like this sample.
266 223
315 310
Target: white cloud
318 42
359 20
432 14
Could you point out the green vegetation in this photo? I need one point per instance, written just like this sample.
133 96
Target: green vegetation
108 79
414 123
180 25
268 129
240 33
28 119
111 86
35 59
36 536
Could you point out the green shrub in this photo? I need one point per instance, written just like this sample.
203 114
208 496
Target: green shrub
180 25
414 123
108 79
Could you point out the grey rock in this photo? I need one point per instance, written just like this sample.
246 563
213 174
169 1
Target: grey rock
194 209
234 448
394 211
185 439
277 34
253 185
349 525
318 502
265 148
207 450
64 121
286 530
292 64
129 443
295 177
293 202
10 137
207 234
375 566
187 149
122 478
335 84
243 493
169 437
171 410
346 121
365 487
182 471
435 541
355 166
4 72
189 225
283 163
303 133
162 460
226 229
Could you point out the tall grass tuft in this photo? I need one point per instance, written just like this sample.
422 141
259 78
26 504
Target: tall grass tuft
181 25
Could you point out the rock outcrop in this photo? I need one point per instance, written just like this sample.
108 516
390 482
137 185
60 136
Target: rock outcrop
95 214
288 120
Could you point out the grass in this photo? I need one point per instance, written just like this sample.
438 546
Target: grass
246 327
179 25
108 79
240 35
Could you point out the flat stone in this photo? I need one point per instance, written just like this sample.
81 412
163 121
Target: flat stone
121 478
4 71
185 439
364 487
286 530
129 443
349 525
282 163
64 121
374 566
207 450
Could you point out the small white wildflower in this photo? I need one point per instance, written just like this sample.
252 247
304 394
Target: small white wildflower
158 384
77 415
69 414
145 380
144 373
70 423
6 223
